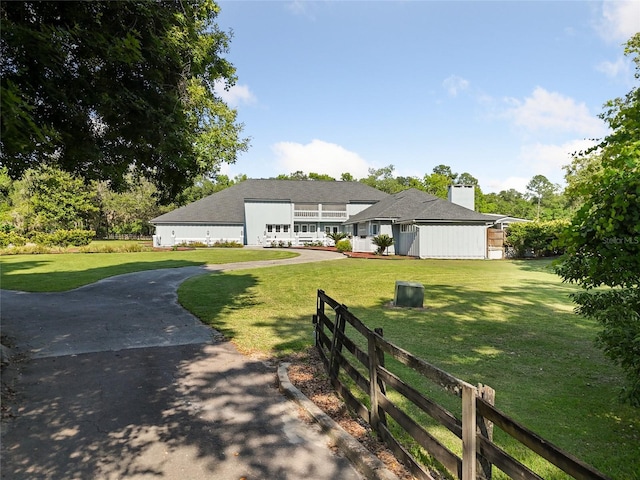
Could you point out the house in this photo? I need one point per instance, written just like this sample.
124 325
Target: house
266 212
423 225
295 212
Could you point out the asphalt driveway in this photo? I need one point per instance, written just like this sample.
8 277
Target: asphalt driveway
123 383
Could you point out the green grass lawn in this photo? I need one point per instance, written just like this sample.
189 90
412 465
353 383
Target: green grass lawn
507 324
60 272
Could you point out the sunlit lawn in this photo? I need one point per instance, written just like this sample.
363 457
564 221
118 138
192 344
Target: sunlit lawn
503 323
59 272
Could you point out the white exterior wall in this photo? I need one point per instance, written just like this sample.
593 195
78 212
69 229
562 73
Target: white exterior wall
365 244
169 235
408 244
452 241
257 215
353 208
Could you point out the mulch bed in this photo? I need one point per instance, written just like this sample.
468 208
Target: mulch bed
306 372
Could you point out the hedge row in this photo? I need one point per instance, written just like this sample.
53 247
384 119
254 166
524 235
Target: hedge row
59 238
538 239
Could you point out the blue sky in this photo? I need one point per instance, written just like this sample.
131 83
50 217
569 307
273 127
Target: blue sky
504 90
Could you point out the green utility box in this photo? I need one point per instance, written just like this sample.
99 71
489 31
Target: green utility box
409 294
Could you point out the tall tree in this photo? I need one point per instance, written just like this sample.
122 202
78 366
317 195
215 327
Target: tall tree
603 240
540 188
437 184
95 87
47 199
445 171
383 179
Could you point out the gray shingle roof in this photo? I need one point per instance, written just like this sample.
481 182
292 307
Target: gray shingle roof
227 206
416 205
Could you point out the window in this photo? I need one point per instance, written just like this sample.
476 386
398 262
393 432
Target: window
296 228
278 227
327 230
269 228
374 228
285 228
305 228
312 228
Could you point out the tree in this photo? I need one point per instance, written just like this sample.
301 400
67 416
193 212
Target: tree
347 177
97 87
48 199
437 184
383 179
129 212
539 188
603 240
466 178
445 171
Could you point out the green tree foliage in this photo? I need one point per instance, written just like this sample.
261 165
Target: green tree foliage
97 87
437 184
47 199
129 211
445 171
383 179
603 240
540 189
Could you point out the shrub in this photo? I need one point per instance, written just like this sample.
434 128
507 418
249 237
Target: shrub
64 238
343 245
228 244
336 237
11 238
537 238
382 241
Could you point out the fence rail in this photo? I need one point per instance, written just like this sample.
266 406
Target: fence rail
479 415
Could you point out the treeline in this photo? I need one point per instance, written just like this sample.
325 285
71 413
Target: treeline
47 199
542 200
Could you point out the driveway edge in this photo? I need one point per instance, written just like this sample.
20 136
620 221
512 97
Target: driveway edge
363 460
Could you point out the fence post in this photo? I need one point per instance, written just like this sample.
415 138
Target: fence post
382 418
485 428
316 319
374 413
469 393
336 344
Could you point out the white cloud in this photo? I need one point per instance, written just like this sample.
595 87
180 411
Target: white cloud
455 85
552 111
302 8
619 68
235 95
548 160
319 157
620 20
495 185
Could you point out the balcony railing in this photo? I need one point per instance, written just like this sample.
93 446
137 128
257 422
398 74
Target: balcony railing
320 214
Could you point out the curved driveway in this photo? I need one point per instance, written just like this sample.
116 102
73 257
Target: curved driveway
125 383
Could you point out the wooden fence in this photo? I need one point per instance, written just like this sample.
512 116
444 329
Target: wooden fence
479 415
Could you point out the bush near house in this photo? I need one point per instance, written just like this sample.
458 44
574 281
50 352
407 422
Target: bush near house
343 245
539 239
382 241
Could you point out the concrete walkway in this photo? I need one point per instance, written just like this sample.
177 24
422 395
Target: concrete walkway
125 384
